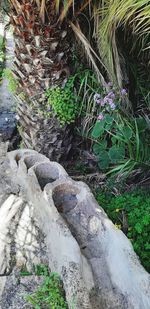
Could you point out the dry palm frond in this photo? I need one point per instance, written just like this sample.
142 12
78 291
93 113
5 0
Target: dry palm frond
83 6
57 5
64 12
16 5
38 3
90 53
42 11
67 6
116 60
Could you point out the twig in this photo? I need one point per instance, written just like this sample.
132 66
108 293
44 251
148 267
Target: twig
89 176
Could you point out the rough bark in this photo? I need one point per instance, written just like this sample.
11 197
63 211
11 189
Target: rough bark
42 47
96 261
42 60
44 135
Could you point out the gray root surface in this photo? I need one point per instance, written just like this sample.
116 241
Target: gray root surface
96 261
22 244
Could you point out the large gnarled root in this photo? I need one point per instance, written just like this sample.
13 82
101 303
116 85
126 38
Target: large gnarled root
96 261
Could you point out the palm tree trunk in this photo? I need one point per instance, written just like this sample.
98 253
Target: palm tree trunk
42 56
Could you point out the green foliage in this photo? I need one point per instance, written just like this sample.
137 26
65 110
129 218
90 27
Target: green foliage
140 71
64 102
13 83
133 18
50 294
2 47
75 99
121 143
38 270
2 54
24 272
81 167
86 87
41 270
135 208
1 42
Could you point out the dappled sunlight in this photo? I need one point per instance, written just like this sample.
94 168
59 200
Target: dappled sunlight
19 235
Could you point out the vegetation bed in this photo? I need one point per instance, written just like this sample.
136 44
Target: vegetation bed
130 212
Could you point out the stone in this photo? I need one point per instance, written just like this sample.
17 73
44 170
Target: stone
55 220
16 290
8 125
22 243
96 261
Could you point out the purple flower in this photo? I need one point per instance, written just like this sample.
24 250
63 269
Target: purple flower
102 102
100 117
123 92
110 101
109 84
111 94
105 99
97 97
98 101
112 106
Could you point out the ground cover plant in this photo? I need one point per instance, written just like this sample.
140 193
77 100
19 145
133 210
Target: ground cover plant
64 102
50 294
12 82
75 99
130 212
2 55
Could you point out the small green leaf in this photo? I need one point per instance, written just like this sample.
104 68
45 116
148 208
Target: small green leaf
109 119
113 140
138 228
108 126
98 129
127 132
103 159
98 147
147 246
142 124
116 153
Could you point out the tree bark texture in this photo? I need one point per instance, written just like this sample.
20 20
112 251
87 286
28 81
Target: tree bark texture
42 60
42 47
44 135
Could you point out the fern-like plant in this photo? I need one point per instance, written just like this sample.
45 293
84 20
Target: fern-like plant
133 18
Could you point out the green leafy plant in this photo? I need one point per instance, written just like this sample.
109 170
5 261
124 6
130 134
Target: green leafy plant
120 143
24 272
13 83
76 99
2 54
38 270
49 295
130 212
86 84
2 42
64 102
41 270
81 167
